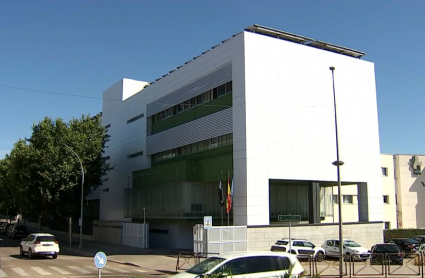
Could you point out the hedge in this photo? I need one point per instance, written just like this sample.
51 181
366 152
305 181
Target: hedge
402 233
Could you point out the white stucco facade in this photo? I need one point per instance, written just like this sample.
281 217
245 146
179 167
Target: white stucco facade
283 126
289 123
389 191
410 185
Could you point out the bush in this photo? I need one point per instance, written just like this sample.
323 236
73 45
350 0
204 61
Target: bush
402 233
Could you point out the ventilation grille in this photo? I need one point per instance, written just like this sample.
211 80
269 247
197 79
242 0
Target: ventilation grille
203 84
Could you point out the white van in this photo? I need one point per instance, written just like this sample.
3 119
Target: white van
351 250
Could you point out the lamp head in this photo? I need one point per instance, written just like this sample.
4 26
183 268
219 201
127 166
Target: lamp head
332 68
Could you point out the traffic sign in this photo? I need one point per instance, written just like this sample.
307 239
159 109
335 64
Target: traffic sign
100 259
289 217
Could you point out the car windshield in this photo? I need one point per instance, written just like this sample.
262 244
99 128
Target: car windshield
350 243
412 241
387 248
205 265
46 238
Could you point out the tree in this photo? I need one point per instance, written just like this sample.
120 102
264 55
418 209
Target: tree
43 174
7 201
56 141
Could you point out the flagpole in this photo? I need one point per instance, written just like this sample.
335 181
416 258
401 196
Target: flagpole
227 201
221 205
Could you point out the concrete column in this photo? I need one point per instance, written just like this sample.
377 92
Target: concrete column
313 202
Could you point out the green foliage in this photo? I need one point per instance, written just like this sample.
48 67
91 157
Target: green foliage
402 233
43 174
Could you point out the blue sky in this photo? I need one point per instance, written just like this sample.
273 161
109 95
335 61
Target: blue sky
82 47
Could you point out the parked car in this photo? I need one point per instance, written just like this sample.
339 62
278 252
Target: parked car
299 247
39 244
386 253
9 229
351 250
406 245
252 264
421 239
4 227
15 231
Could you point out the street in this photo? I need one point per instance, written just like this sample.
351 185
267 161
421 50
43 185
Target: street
14 265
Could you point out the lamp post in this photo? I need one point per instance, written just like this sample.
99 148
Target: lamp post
338 163
82 195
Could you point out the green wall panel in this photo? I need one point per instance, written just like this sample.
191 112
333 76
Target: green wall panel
204 166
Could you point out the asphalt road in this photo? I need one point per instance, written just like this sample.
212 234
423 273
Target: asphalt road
13 265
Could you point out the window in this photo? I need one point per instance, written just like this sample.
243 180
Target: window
386 199
384 171
193 148
136 118
228 87
221 90
386 225
214 142
135 154
347 199
335 199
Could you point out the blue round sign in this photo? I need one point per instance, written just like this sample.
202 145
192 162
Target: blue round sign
100 259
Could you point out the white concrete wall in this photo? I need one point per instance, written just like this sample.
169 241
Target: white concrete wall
130 138
410 193
389 189
262 238
290 127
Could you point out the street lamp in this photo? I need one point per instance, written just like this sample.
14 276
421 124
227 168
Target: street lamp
338 163
82 194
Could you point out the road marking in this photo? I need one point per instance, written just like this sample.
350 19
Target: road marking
60 270
95 268
79 269
2 274
121 270
20 271
40 270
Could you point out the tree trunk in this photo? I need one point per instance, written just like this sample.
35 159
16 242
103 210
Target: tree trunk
70 231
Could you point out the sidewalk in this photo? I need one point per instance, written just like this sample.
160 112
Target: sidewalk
156 260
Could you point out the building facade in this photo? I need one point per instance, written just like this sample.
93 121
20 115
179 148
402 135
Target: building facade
410 186
255 111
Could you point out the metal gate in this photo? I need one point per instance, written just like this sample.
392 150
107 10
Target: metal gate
136 235
219 240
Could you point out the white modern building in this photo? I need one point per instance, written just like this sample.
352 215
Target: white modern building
257 108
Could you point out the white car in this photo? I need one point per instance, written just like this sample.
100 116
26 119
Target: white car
252 265
351 249
299 247
39 244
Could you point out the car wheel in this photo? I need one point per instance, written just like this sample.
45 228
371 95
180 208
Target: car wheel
30 254
320 256
21 251
54 256
347 257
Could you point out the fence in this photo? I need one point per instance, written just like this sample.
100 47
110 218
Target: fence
379 265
